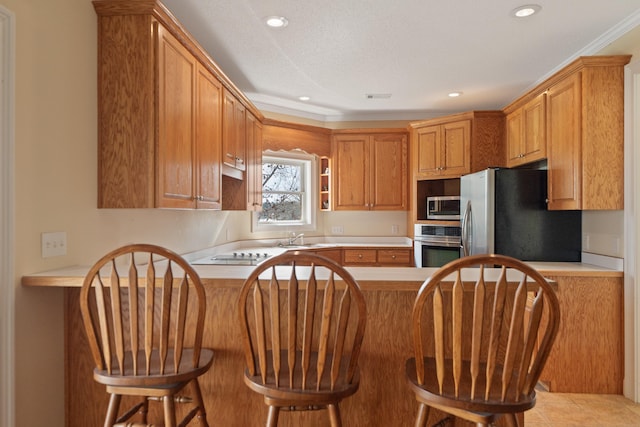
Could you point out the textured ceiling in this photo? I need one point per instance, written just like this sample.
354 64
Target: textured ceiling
338 51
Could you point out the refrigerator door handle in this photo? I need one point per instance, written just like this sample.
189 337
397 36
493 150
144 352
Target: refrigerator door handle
466 230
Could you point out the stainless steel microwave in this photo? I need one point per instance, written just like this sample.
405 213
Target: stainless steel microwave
443 207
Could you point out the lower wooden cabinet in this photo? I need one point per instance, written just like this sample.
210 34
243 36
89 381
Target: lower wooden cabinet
395 257
371 257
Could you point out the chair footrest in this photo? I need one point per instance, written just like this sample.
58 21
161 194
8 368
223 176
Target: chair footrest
133 425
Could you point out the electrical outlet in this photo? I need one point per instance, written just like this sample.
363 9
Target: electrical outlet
395 229
337 229
586 242
54 244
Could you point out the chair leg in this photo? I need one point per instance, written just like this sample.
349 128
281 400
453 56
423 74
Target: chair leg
202 412
334 415
112 411
512 420
169 411
144 410
423 415
272 418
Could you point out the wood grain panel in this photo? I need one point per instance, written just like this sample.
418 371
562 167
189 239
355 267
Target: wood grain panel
603 136
287 136
126 112
588 355
487 140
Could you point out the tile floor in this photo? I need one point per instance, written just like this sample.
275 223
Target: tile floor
584 410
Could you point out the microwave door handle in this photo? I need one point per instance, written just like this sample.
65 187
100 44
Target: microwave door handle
465 241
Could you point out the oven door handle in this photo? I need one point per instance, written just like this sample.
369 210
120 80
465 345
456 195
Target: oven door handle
437 243
466 230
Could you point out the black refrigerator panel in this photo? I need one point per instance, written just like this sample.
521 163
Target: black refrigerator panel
524 228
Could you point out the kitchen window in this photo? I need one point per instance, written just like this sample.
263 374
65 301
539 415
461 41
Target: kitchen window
288 192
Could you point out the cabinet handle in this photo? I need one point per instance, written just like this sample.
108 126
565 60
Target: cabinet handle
393 257
360 256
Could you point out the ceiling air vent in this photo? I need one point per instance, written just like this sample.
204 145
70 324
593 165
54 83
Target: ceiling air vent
378 95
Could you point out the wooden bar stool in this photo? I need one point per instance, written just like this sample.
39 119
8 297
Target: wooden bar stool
303 318
479 347
145 333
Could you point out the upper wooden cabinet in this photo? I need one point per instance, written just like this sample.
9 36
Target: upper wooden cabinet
451 146
584 133
254 163
369 170
443 150
188 174
526 132
234 132
160 111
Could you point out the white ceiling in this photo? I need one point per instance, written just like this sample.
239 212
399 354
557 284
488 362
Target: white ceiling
338 51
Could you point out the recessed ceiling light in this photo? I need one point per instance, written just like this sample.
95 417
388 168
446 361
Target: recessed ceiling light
276 21
455 94
304 98
526 10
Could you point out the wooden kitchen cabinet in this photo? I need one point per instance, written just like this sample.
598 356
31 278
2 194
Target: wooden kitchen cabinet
584 130
526 132
451 146
188 129
372 257
233 133
254 163
369 170
585 135
395 257
444 150
159 113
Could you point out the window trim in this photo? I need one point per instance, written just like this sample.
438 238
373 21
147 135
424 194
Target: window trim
311 183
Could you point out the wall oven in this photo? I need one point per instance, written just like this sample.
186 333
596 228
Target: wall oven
434 244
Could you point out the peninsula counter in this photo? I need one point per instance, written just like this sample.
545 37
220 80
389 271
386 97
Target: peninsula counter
587 356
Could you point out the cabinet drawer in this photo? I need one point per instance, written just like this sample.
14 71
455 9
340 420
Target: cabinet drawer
360 256
394 256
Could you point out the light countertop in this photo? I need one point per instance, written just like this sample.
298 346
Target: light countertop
371 277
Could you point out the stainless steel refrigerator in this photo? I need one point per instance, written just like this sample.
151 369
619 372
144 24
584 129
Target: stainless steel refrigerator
504 211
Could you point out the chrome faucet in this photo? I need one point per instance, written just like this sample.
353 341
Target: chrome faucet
294 237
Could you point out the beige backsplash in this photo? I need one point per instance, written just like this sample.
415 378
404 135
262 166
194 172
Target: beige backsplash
603 233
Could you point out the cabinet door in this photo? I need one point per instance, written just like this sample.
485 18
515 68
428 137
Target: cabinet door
456 148
175 155
254 163
228 129
514 138
526 133
240 142
388 172
233 132
351 179
534 127
428 147
208 139
564 144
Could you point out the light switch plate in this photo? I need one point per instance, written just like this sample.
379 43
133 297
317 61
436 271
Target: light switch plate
54 244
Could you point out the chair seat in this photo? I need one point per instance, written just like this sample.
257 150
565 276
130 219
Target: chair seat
311 393
168 379
430 392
